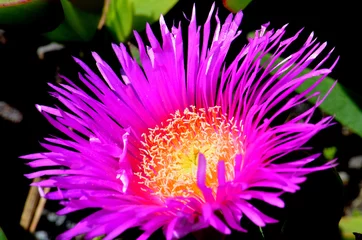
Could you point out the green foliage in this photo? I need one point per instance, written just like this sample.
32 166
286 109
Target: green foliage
135 52
79 20
93 6
2 235
149 11
123 16
349 225
78 25
120 18
34 15
329 153
236 5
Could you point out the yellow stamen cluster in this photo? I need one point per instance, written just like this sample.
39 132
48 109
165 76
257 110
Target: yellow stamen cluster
170 151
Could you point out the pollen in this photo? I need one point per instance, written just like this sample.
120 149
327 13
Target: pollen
170 151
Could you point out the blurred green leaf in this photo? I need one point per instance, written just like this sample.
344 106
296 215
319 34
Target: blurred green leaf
250 35
34 15
349 225
149 11
134 52
78 25
339 102
94 6
236 5
2 235
329 153
98 238
119 19
356 213
123 16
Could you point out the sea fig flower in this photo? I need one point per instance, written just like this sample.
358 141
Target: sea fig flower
184 141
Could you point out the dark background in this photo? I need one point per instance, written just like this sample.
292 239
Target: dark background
312 213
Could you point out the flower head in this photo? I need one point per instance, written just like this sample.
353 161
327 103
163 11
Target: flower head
184 141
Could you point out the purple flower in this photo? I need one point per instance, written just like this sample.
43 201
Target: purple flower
185 141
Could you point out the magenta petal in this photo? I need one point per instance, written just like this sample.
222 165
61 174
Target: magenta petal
221 173
214 220
271 198
170 229
252 213
201 178
230 218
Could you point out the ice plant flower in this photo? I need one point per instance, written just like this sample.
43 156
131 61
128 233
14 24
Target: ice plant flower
182 142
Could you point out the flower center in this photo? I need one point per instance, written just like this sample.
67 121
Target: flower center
170 151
